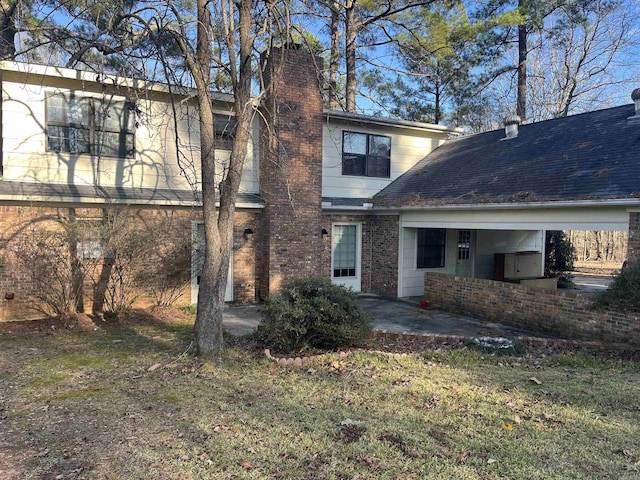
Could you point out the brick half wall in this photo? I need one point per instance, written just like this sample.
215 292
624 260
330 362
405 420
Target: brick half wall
564 314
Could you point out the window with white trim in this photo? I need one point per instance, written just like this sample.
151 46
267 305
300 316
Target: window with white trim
225 127
345 249
97 126
367 155
431 247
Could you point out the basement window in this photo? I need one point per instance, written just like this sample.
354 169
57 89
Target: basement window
366 155
431 247
96 126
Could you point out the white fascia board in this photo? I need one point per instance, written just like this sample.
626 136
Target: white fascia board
390 122
109 79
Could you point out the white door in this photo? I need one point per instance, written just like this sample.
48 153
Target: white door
346 239
197 261
464 257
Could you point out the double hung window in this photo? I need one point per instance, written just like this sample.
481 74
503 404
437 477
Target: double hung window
225 127
366 155
77 124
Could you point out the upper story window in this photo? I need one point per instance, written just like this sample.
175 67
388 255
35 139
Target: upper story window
225 127
366 155
77 124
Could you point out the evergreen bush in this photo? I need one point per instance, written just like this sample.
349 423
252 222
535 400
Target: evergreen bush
313 313
624 292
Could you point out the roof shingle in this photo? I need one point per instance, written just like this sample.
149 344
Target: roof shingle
593 155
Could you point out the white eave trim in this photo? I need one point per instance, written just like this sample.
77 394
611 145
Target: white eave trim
390 122
109 79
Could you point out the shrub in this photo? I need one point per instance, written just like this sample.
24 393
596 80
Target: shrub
559 254
313 313
624 292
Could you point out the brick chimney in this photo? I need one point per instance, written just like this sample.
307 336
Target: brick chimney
290 168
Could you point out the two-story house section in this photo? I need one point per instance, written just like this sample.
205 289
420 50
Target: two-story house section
90 143
361 156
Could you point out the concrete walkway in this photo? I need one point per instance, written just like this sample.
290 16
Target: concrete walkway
390 315
590 284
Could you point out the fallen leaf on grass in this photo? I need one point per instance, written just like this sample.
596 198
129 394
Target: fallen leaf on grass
371 461
507 426
491 461
625 451
154 367
247 465
535 380
517 420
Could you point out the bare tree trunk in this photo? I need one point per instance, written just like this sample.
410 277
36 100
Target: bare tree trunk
521 105
218 224
208 325
77 277
437 101
351 33
334 58
598 241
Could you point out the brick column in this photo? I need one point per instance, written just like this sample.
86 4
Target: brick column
385 230
291 169
633 249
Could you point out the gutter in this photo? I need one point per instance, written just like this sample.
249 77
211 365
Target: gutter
383 121
21 68
29 200
622 202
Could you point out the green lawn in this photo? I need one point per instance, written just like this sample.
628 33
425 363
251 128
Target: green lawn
131 402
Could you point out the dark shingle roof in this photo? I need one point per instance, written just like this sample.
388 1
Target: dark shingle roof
593 155
50 192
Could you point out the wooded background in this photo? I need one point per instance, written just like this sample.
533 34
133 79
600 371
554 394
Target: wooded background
599 246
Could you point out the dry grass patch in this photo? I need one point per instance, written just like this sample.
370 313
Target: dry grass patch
131 402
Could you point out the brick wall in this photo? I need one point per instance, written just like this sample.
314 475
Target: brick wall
245 253
384 254
566 314
290 170
633 248
379 255
171 230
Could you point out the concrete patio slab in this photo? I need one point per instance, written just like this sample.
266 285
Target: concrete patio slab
390 315
407 316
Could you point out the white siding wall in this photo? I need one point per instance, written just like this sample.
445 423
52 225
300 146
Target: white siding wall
156 163
490 242
412 278
408 146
